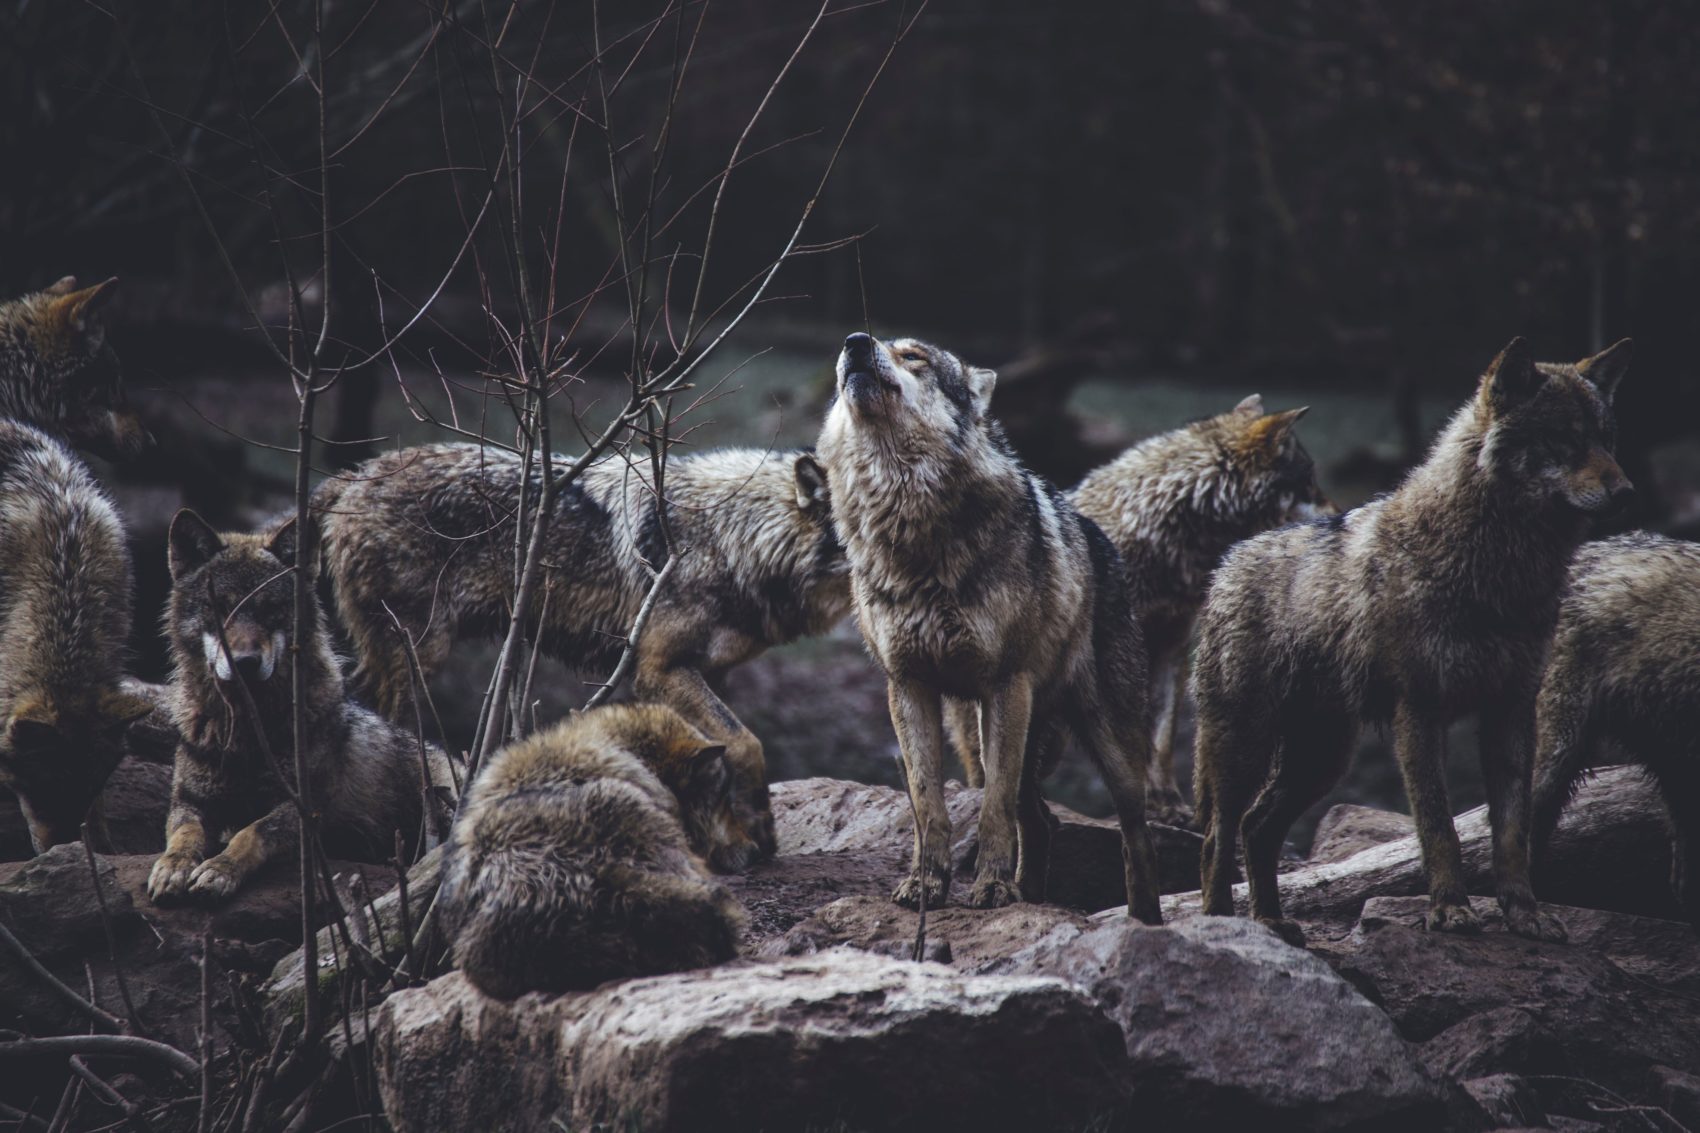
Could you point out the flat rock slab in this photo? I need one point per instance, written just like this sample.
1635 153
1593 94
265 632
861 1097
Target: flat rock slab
843 1039
1227 1026
1611 851
972 940
1499 1004
821 816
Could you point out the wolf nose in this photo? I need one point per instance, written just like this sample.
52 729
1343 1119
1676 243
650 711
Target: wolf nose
1621 491
248 667
859 345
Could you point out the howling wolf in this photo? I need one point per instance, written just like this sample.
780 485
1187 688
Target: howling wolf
974 579
1431 603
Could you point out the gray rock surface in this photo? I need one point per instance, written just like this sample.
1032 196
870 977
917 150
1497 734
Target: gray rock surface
1228 1026
842 1037
1348 828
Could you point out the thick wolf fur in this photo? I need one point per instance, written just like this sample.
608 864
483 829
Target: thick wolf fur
1625 675
65 585
1432 603
575 860
429 532
1173 505
975 580
369 778
58 373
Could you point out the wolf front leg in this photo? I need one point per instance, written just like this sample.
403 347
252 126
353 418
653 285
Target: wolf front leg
1507 752
687 692
276 832
1419 739
1004 717
185 836
916 715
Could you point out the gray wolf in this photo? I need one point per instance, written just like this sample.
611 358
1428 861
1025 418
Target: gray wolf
58 373
975 580
577 857
1434 602
1624 679
429 532
230 620
1173 505
65 594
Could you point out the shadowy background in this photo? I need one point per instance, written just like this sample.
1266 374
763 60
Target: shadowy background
1141 212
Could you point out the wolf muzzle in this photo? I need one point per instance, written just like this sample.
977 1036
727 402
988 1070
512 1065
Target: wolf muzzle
864 380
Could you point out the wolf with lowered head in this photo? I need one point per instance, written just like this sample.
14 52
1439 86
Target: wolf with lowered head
974 579
578 856
1432 603
230 625
429 533
64 621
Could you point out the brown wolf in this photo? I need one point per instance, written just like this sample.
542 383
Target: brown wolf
975 580
1625 675
1431 603
369 777
58 373
65 614
429 532
575 860
1173 505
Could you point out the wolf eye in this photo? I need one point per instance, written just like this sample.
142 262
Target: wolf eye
911 356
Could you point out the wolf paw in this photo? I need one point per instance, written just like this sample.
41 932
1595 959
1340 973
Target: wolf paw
1450 917
170 876
993 893
1526 920
1287 930
215 879
908 894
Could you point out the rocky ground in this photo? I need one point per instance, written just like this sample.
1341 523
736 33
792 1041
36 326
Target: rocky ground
1057 1016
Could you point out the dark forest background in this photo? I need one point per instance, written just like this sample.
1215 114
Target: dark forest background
1366 197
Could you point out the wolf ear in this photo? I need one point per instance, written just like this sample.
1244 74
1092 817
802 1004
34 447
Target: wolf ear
708 769
1251 406
980 383
1512 377
34 721
811 483
120 709
1269 431
282 544
77 308
1605 369
191 543
64 285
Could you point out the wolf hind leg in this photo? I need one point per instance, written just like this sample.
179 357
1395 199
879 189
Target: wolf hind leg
1310 759
962 725
1231 758
1507 755
1167 803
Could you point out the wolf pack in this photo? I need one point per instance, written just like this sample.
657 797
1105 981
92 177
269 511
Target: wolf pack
1012 620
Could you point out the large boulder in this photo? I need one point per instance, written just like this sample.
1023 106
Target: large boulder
1611 851
1610 1005
839 1040
1227 1026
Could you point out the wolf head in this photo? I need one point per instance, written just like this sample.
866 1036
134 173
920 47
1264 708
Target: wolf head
58 752
909 390
1278 476
694 768
58 372
1551 428
237 585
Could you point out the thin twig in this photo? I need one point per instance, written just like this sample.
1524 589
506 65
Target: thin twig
111 939
130 1046
56 985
